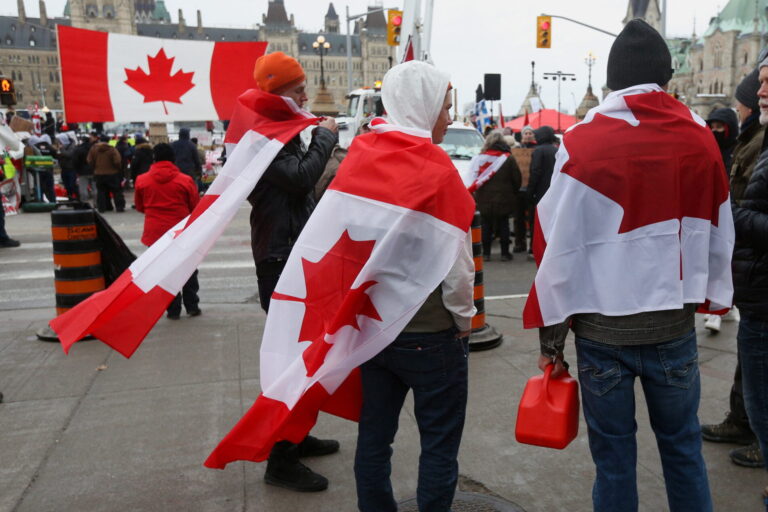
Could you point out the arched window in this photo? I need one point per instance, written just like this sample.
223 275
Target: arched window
718 55
746 57
32 42
701 65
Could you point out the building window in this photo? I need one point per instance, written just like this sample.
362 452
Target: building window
701 65
13 75
718 55
31 42
31 29
746 58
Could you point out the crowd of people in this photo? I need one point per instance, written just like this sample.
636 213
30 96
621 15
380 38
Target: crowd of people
643 330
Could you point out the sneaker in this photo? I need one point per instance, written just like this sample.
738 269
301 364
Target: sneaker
314 447
727 432
748 456
195 312
173 317
732 315
294 476
9 242
713 323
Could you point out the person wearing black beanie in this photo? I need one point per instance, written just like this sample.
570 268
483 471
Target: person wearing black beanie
639 55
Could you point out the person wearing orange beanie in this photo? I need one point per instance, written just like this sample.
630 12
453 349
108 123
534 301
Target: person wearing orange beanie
281 204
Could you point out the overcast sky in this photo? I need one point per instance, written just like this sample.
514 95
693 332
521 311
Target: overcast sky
491 36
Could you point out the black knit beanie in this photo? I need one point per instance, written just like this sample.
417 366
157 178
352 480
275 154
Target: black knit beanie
638 56
746 91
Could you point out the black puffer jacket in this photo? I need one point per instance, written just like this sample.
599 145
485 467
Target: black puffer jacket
187 157
283 200
750 256
498 196
542 163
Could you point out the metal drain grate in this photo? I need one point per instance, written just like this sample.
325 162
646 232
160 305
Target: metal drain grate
469 502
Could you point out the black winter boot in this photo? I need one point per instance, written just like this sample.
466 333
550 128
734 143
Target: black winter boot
314 447
285 470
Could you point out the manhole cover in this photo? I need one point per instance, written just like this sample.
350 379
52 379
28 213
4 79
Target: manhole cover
469 502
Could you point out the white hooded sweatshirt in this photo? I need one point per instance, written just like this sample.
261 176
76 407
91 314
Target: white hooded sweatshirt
413 94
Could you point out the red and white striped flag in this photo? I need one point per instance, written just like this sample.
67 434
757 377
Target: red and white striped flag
119 77
123 314
484 166
363 265
638 215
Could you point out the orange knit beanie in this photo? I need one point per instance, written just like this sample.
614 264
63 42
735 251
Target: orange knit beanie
274 70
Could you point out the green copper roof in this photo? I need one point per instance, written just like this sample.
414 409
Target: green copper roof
161 13
679 48
66 10
739 15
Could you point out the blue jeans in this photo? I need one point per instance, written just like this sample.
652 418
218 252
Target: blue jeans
753 356
434 365
669 374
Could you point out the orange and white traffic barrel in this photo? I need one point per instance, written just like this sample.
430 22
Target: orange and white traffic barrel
483 336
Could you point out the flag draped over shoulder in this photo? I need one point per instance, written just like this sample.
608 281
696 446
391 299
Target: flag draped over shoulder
484 166
123 314
380 240
121 77
638 215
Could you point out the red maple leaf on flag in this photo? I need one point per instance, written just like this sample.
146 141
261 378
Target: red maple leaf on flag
331 303
159 84
667 183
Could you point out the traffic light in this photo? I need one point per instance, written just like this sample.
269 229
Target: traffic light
544 32
7 92
394 24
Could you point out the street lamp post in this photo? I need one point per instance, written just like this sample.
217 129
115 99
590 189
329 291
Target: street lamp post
559 77
321 46
590 61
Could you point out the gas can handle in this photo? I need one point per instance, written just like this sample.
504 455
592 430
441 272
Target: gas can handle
547 377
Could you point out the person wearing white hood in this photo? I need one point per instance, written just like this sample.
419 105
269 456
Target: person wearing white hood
430 355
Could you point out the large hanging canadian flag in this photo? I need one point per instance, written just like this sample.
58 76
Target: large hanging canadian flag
365 262
637 217
123 314
118 77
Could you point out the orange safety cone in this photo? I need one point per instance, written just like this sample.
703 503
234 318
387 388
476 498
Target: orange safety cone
483 337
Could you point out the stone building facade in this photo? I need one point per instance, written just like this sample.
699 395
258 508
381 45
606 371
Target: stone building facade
28 52
709 67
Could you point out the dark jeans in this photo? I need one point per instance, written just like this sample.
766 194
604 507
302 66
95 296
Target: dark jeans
188 295
106 183
69 179
753 356
3 235
738 413
495 225
669 375
46 186
521 221
434 365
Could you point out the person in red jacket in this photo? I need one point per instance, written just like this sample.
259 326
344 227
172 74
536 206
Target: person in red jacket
165 196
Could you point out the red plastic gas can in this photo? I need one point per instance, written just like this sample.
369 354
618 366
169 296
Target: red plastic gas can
548 414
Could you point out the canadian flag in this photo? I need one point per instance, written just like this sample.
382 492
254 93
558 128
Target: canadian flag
637 217
118 77
484 166
363 265
123 314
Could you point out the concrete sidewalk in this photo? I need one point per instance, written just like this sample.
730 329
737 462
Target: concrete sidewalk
93 431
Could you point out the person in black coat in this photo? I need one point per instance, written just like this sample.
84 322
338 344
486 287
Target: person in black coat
142 158
542 166
725 127
497 198
281 204
750 282
187 157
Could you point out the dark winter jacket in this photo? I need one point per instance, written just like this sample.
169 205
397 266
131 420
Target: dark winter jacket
542 163
187 158
750 256
283 199
67 158
142 159
82 166
104 159
165 196
498 196
726 140
745 155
